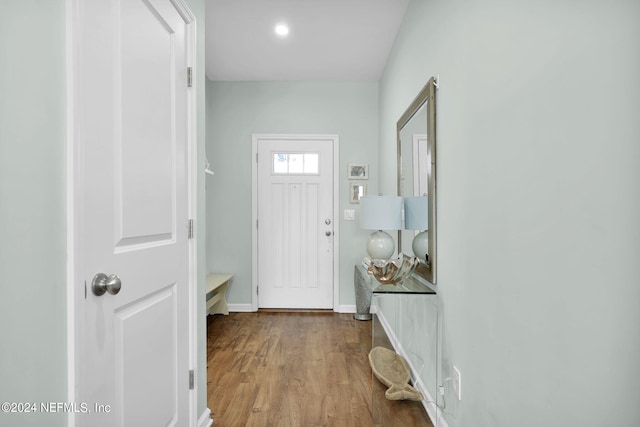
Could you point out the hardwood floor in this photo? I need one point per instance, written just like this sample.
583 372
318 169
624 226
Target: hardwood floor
296 369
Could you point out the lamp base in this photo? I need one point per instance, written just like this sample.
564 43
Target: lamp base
380 245
420 245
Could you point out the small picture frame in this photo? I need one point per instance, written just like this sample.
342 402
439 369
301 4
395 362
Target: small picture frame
358 171
357 191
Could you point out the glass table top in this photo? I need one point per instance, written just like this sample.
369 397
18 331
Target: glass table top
409 286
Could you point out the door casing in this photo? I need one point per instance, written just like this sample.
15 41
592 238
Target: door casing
256 138
74 202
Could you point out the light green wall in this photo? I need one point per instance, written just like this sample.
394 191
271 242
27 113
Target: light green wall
538 202
235 111
32 208
33 348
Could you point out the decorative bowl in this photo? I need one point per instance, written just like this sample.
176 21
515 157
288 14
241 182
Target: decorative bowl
392 271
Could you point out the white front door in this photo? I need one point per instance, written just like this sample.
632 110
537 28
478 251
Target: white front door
131 146
295 223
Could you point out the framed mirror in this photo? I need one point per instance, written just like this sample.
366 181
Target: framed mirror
416 133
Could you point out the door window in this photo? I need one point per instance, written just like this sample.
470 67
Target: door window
296 163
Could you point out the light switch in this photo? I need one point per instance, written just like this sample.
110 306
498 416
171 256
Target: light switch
349 215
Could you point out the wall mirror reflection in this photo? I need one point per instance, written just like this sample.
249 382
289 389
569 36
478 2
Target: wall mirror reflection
416 132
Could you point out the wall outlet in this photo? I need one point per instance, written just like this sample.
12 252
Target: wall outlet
457 383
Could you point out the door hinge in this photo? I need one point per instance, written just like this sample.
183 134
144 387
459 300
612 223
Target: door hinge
192 379
190 226
189 77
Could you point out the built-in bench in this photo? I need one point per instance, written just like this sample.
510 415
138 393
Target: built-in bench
215 289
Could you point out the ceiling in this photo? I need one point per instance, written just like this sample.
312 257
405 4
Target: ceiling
329 40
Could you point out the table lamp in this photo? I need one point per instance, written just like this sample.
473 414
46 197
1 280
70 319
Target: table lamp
416 217
381 213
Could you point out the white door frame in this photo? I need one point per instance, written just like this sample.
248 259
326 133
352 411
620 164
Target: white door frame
75 221
254 209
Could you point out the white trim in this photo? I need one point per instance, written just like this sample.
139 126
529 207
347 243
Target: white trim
347 308
336 222
241 308
72 196
254 218
428 402
336 209
387 328
205 419
192 190
248 308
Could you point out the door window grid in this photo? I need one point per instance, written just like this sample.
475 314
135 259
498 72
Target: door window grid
296 163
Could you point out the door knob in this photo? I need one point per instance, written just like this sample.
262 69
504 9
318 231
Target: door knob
101 284
327 221
327 233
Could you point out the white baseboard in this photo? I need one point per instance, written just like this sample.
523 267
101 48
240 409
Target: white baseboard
205 419
344 308
432 409
241 308
248 308
428 402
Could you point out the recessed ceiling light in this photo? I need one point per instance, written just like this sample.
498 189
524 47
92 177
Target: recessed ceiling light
282 30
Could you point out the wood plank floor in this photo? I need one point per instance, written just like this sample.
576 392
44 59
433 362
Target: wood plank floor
296 369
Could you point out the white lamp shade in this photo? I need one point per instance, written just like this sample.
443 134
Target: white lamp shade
416 213
381 213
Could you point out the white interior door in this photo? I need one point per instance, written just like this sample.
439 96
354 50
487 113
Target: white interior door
295 223
132 206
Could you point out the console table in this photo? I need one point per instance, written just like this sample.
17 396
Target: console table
405 320
215 290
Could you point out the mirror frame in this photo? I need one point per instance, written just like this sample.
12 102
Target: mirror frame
427 94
